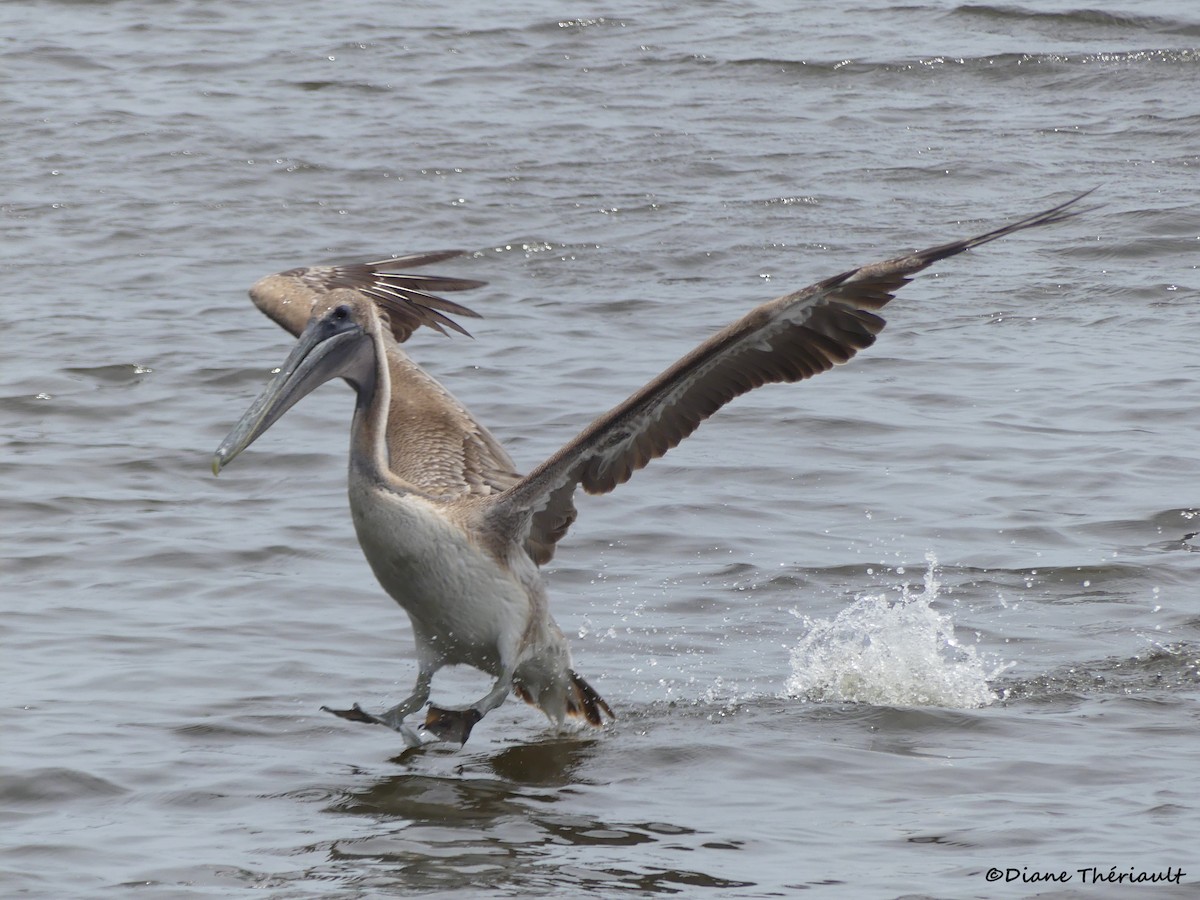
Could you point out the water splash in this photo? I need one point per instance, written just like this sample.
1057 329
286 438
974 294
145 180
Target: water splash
891 653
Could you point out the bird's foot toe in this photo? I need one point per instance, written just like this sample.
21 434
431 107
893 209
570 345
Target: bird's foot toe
355 714
452 725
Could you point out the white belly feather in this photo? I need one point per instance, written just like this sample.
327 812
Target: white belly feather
465 607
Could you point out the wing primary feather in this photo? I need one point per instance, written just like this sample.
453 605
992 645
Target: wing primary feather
408 300
416 260
421 297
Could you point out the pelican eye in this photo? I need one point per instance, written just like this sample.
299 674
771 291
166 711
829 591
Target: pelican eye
341 313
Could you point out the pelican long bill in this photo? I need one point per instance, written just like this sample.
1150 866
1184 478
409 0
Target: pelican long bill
324 350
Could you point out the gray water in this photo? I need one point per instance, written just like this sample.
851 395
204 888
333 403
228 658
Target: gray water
868 637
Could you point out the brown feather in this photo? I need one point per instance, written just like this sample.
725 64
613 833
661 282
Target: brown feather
788 339
288 298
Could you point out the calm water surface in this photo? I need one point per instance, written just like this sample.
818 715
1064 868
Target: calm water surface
871 636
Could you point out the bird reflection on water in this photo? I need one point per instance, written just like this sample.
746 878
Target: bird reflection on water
495 820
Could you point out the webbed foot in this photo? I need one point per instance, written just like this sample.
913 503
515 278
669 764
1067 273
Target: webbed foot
451 724
357 714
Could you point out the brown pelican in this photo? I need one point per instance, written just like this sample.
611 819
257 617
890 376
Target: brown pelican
452 533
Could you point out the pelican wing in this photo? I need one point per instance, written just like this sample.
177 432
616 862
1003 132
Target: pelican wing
788 339
409 300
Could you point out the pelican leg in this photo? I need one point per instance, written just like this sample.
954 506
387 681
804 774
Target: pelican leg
455 724
394 717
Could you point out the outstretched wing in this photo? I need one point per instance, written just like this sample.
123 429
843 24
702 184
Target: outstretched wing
788 339
409 300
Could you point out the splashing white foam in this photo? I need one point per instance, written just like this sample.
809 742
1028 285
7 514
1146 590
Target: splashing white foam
890 653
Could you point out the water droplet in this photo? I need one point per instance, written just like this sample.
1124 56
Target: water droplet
891 653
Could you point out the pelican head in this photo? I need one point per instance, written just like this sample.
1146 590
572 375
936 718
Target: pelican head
339 341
